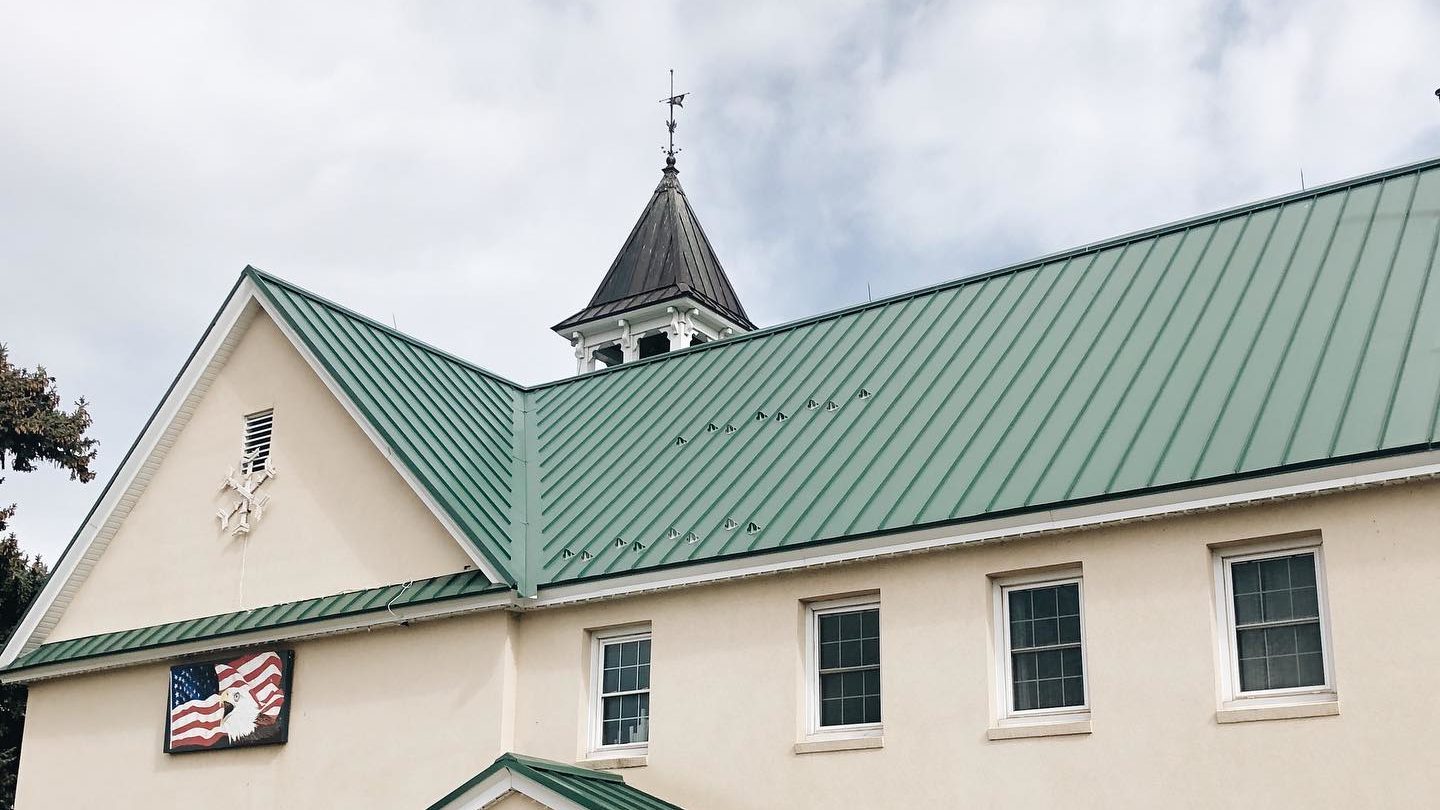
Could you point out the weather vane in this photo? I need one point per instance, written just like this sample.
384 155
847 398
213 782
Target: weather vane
674 101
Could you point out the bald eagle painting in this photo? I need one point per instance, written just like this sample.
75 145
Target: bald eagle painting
231 703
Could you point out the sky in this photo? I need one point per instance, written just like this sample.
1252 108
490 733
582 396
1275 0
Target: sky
467 171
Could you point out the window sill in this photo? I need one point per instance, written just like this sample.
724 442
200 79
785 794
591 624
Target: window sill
1293 711
1045 729
857 743
638 760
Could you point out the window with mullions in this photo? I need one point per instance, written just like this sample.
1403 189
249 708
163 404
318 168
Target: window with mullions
849 666
1046 662
624 691
1276 621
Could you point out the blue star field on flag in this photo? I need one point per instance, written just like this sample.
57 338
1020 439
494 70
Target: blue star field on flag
192 683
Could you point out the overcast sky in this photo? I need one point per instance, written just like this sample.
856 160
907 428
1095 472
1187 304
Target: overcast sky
469 170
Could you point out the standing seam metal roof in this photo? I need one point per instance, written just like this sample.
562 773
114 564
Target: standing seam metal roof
451 424
1289 333
284 615
593 790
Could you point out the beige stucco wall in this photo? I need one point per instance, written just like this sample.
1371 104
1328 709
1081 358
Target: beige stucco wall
340 517
396 718
392 718
727 677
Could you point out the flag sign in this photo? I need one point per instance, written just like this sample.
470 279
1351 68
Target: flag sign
230 703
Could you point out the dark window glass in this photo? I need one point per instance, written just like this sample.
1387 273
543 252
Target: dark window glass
1045 660
1277 623
849 667
624 692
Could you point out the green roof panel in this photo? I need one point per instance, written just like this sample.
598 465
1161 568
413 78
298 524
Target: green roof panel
1291 332
451 424
288 614
1274 336
592 790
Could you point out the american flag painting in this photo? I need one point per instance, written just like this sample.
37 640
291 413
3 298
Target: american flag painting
229 703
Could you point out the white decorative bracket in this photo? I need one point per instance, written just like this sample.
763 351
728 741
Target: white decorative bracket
584 355
629 343
682 328
251 506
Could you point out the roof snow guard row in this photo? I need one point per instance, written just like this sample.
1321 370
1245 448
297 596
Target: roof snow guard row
1288 333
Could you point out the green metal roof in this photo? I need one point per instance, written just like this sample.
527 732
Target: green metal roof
593 790
289 614
1290 333
453 425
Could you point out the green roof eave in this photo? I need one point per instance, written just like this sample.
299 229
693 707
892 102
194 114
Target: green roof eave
284 616
591 790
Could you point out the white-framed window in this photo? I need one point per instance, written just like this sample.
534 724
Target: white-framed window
259 429
843 667
1271 606
620 692
1040 634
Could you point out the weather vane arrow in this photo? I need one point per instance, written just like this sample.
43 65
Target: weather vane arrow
674 100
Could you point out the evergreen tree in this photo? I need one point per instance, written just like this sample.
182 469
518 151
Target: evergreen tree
34 428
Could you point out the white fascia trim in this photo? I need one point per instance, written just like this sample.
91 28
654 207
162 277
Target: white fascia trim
134 475
1279 487
606 329
460 537
369 620
504 782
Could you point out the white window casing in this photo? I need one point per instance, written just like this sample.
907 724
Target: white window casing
1233 695
814 729
627 637
1005 709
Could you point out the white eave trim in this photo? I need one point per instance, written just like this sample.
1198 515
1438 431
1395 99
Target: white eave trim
134 474
130 480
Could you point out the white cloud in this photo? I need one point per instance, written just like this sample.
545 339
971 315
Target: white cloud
469 170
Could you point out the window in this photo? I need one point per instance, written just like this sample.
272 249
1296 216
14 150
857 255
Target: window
1272 606
620 709
258 429
1041 661
843 651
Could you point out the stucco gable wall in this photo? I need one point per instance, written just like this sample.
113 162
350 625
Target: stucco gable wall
378 720
340 516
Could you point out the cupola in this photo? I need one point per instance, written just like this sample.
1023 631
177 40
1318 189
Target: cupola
665 290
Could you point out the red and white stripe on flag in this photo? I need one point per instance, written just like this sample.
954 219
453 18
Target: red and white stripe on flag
197 723
261 675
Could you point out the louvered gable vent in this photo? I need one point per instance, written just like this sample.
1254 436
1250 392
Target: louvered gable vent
258 429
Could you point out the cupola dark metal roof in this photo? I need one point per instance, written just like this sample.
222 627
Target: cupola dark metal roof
667 256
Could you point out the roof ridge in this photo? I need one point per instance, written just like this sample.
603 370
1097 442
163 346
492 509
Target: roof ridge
1017 267
540 764
271 278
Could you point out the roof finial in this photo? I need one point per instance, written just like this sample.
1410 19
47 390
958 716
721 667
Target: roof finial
674 101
